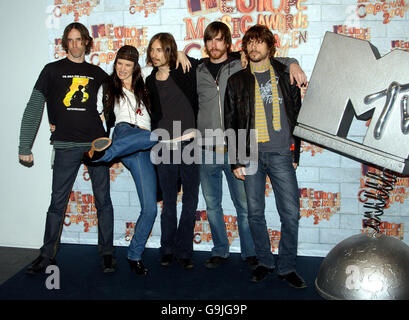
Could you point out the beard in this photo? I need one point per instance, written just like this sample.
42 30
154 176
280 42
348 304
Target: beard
215 53
256 56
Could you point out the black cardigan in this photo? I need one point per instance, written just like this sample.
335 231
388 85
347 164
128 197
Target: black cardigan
185 81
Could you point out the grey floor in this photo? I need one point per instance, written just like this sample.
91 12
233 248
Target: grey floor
12 260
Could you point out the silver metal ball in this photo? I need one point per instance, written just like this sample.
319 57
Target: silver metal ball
365 267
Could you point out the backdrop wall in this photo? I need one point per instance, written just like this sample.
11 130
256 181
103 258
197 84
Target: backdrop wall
25 192
330 185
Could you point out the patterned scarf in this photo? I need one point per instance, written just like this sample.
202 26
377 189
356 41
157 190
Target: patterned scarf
260 116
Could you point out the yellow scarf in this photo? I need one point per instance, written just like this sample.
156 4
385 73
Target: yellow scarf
260 115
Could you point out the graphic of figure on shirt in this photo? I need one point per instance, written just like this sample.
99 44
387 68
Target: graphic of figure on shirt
76 99
266 92
77 93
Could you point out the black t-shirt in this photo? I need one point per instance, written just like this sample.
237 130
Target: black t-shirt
214 68
70 90
175 107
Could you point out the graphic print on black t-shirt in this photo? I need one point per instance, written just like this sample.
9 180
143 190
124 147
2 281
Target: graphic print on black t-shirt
77 93
70 90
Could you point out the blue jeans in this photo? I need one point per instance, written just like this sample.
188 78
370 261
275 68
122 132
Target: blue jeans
211 179
66 165
129 139
177 238
278 166
125 137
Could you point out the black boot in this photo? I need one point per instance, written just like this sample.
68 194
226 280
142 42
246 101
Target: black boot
260 273
294 280
108 263
40 264
138 267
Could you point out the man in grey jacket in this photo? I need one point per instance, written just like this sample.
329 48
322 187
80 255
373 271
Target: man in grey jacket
212 75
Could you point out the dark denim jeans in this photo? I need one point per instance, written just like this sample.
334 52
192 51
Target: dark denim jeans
128 139
66 165
177 238
125 137
278 166
211 179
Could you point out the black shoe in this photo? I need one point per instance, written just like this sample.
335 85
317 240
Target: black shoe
138 267
108 263
166 260
252 262
260 273
214 262
186 263
294 280
40 264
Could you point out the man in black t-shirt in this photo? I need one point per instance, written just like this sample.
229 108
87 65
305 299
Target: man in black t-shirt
174 102
69 87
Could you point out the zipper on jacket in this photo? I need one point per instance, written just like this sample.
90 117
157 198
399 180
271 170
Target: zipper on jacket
218 95
220 104
216 81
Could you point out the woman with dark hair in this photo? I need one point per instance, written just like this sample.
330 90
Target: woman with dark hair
126 106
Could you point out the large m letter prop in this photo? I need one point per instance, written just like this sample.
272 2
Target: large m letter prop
349 80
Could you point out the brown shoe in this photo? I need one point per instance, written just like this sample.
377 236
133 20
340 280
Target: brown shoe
99 144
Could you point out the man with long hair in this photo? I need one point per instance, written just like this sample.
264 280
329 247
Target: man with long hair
262 101
174 109
69 86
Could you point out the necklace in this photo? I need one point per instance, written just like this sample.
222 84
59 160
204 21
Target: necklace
134 109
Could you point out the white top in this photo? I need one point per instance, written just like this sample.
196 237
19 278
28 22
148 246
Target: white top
127 110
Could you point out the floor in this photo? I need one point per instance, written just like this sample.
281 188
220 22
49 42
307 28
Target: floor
12 260
79 277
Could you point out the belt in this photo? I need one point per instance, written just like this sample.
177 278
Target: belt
218 149
127 123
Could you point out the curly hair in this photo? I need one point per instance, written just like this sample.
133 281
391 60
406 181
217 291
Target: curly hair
260 33
86 38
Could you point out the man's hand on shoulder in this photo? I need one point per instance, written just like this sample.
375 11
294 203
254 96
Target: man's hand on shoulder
297 74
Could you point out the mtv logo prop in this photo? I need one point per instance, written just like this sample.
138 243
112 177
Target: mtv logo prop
349 80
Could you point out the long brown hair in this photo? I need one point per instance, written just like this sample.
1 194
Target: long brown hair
86 38
169 48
